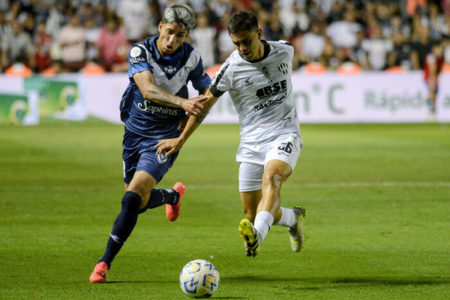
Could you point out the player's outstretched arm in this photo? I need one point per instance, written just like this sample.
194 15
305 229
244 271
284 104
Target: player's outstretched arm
171 146
154 93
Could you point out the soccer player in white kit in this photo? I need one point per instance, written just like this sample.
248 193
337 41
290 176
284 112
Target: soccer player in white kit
257 76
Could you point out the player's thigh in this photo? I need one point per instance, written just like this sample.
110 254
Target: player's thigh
281 157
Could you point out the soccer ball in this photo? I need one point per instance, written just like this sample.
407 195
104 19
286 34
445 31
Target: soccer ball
199 279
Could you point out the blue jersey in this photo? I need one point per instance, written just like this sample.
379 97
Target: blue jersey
147 118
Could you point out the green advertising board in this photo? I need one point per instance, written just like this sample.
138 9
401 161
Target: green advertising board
16 109
59 98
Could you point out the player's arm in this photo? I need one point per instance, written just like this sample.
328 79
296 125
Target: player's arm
152 92
170 146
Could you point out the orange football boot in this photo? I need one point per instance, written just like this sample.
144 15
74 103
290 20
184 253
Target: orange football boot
99 273
174 211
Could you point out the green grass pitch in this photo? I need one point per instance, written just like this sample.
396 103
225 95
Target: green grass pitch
377 225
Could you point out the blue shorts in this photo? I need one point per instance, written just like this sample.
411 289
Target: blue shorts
139 154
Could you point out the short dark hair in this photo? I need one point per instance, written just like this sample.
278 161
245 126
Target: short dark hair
243 20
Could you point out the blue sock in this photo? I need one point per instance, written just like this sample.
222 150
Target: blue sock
159 197
123 226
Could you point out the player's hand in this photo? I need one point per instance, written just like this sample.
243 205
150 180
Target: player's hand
169 146
194 105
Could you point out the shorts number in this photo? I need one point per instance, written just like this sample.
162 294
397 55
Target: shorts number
287 148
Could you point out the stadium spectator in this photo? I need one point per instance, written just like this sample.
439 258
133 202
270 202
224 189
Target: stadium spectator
88 12
225 44
55 20
343 32
72 40
113 46
377 49
5 31
152 107
358 55
92 33
436 23
335 13
399 56
293 17
136 17
43 43
420 48
17 47
313 42
204 39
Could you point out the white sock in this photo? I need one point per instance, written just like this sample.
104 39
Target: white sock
263 221
287 217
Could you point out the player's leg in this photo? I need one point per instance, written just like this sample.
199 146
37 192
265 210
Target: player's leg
157 167
280 162
250 182
275 173
134 199
250 201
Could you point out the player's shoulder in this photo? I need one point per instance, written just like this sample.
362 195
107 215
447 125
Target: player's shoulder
234 60
281 46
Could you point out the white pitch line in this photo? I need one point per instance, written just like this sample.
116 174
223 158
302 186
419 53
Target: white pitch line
335 185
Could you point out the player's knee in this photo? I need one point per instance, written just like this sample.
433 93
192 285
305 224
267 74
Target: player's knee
273 178
131 201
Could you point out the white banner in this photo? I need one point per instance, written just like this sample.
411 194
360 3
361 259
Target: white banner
326 98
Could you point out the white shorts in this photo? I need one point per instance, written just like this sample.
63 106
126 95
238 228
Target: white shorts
253 157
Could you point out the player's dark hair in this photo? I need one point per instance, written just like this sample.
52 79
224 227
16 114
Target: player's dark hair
243 20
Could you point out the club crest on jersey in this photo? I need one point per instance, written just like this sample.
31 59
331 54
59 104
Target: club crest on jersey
266 73
283 68
169 69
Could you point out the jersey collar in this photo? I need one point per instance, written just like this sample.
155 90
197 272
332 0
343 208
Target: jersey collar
266 53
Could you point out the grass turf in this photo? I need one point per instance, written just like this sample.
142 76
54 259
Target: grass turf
377 225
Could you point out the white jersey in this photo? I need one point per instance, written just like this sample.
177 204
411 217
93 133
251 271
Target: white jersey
261 92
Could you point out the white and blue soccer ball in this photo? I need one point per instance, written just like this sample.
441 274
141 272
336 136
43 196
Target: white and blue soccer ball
199 279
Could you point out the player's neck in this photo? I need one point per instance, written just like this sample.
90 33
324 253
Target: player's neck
263 51
260 50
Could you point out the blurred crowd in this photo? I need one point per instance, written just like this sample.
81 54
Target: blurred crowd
52 36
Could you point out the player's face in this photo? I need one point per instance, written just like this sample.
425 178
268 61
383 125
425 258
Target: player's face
248 43
171 36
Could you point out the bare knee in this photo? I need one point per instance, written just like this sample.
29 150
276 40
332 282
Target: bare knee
273 178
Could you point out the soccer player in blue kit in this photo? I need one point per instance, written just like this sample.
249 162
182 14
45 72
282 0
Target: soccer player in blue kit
153 107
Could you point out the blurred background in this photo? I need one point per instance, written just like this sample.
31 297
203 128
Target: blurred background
50 36
68 59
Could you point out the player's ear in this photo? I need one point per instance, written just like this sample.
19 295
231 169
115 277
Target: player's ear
160 26
259 31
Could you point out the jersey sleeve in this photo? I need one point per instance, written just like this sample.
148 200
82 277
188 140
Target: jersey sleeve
200 80
221 81
137 60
